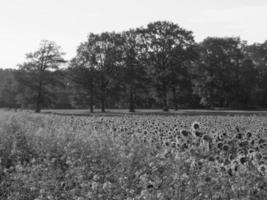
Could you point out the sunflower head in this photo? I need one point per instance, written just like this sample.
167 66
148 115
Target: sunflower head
262 169
185 133
195 126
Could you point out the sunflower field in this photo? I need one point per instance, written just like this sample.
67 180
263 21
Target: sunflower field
51 157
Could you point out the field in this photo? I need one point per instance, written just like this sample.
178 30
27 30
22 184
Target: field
132 157
186 112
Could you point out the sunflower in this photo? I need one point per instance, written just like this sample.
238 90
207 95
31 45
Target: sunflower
198 134
207 138
208 179
230 172
219 145
225 147
243 144
211 159
195 126
262 169
185 133
249 134
243 160
239 136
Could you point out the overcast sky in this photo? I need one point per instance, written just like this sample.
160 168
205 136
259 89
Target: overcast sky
24 23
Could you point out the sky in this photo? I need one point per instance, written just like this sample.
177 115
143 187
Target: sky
24 23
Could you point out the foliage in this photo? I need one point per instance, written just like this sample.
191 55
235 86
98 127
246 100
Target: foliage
37 73
225 77
167 47
8 89
157 66
258 54
133 74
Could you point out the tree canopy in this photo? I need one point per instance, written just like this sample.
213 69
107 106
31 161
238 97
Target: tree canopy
156 66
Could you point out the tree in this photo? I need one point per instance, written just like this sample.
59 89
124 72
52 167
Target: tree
83 74
104 56
223 73
133 72
36 74
8 89
167 47
257 53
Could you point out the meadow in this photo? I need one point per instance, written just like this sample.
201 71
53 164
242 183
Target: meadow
132 157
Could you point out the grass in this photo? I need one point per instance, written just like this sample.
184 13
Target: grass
4 114
119 112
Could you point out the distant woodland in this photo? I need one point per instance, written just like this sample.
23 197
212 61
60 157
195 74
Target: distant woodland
157 66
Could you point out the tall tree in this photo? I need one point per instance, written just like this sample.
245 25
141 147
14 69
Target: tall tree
83 73
8 89
36 73
133 72
105 57
167 47
222 73
257 53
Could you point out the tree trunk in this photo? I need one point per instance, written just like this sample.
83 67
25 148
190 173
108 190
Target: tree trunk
165 99
39 98
174 99
103 94
91 98
38 107
103 98
131 100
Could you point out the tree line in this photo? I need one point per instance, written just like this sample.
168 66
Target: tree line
157 66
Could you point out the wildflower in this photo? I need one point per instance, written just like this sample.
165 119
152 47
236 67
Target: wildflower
107 186
94 186
89 195
96 177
